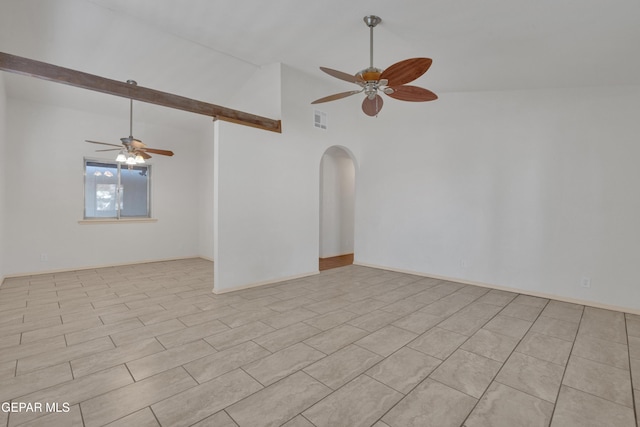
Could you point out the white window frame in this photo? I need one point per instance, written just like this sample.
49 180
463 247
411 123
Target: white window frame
119 167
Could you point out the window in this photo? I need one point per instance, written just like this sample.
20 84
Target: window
112 191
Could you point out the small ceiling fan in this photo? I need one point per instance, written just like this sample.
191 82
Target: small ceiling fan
392 81
134 150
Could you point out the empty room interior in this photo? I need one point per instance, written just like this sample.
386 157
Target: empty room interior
300 214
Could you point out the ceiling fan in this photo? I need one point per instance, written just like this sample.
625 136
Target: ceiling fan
392 81
134 150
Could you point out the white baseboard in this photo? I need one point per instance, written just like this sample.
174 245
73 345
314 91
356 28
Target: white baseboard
594 304
63 270
267 282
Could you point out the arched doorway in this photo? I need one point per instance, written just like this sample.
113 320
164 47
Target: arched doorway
337 207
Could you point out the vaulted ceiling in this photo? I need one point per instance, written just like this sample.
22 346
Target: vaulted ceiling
205 49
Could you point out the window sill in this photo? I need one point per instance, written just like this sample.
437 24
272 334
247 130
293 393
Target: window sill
115 221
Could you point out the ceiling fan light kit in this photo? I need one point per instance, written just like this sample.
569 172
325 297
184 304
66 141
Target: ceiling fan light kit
391 82
134 151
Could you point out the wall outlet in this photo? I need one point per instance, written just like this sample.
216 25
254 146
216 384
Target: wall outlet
44 257
585 282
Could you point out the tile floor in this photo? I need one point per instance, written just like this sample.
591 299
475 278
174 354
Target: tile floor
150 345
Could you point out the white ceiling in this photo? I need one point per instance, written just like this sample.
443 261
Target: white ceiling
204 49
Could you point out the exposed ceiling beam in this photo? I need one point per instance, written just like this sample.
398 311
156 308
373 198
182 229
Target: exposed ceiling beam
54 73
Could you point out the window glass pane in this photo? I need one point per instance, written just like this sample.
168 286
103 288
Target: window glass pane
101 181
135 187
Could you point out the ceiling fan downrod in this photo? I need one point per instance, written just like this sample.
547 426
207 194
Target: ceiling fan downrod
371 21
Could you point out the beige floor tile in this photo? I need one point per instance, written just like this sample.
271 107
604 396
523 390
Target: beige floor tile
11 328
342 366
327 305
119 317
192 333
75 391
531 301
635 374
438 343
73 418
404 369
287 318
118 403
220 419
336 338
508 326
545 347
286 336
490 344
467 372
386 340
331 319
431 404
555 328
374 320
7 370
61 355
563 311
578 409
235 336
418 322
365 306
274 367
357 404
497 297
521 311
533 376
634 347
197 403
504 406
208 315
471 318
142 418
290 304
298 421
33 381
449 304
603 324
101 331
137 334
278 403
107 359
165 360
161 316
214 365
9 354
633 327
607 352
600 380
403 307
64 328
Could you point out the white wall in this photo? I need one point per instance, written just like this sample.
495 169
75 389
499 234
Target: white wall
45 199
528 189
337 203
3 142
205 194
268 184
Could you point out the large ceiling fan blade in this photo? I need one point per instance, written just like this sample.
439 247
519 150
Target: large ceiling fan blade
143 154
412 93
157 151
336 96
135 143
406 71
110 149
343 76
102 143
372 107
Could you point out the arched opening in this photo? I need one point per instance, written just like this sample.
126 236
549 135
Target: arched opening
337 208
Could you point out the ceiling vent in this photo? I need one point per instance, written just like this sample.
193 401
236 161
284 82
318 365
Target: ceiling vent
320 119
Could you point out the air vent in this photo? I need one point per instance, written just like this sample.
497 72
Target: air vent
320 119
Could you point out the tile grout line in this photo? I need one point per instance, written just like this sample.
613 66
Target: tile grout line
505 362
633 397
553 413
